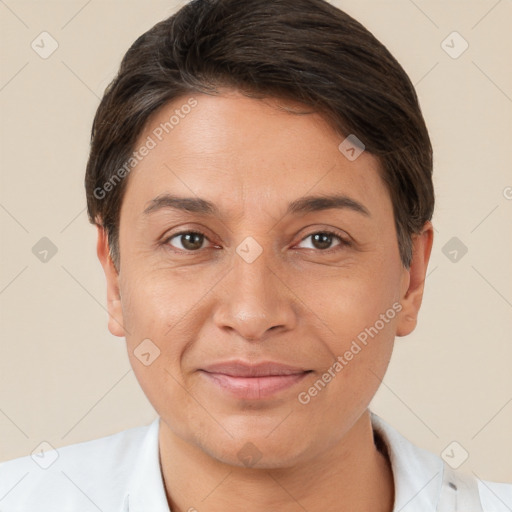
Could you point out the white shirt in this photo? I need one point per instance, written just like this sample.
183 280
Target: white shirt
121 473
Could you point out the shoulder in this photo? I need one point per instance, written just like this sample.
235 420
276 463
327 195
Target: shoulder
422 478
78 473
495 496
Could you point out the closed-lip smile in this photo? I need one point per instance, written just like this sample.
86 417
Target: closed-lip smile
253 381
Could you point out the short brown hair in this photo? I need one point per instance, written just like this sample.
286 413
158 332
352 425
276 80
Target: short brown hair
307 51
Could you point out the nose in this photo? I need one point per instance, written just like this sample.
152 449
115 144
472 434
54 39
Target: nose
255 299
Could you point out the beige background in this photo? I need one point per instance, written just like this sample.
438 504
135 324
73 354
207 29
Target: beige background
65 379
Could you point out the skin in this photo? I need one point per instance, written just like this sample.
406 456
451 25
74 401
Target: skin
299 303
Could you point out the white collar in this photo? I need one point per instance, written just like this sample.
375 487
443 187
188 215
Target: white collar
417 473
146 489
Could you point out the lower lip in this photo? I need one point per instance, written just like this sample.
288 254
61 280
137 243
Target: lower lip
254 388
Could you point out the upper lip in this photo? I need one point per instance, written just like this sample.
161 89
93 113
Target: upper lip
262 369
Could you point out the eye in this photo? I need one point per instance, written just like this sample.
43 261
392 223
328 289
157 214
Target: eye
189 240
322 240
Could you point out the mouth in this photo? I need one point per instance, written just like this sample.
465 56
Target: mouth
253 381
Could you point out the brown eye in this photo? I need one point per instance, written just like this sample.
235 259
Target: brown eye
322 240
189 240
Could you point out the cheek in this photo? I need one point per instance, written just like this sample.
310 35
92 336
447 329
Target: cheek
160 322
342 389
167 308
347 301
148 313
158 300
358 310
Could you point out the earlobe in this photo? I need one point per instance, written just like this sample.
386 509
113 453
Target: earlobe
115 311
414 280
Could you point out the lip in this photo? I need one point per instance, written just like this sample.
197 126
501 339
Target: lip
253 381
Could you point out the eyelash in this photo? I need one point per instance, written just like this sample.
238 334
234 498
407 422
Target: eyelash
343 242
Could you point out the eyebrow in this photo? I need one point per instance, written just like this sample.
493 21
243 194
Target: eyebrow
303 205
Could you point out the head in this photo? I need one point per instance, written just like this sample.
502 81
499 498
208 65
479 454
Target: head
260 175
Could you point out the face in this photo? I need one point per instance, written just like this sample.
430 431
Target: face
260 285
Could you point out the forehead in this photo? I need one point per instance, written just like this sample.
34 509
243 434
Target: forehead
246 154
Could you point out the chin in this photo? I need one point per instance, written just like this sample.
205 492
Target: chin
258 450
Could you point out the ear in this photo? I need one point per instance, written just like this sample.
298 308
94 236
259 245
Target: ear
413 281
115 312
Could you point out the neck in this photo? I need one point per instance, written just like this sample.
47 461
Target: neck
351 475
